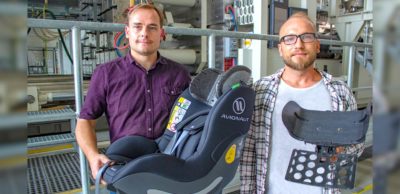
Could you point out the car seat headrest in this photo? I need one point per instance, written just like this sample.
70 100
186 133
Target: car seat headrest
210 84
202 84
236 74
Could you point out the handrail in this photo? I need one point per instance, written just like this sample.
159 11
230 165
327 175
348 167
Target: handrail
64 24
77 58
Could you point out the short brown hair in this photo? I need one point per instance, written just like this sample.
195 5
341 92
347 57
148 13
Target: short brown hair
134 8
302 15
305 16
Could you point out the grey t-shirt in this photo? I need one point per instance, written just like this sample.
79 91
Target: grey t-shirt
315 97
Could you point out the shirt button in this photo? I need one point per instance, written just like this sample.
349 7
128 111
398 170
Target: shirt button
149 109
149 129
172 92
148 91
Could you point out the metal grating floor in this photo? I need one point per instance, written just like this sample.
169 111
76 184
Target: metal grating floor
51 139
54 174
50 115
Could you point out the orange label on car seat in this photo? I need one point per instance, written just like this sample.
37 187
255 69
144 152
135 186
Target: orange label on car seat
230 154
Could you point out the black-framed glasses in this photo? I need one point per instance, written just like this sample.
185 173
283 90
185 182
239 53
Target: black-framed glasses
292 39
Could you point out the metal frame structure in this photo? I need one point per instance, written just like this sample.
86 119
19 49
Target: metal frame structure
77 26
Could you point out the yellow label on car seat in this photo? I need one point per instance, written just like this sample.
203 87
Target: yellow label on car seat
178 112
230 154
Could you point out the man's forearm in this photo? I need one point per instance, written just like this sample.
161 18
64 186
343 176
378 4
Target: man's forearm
86 136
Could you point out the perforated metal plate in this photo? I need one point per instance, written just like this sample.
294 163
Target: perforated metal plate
312 169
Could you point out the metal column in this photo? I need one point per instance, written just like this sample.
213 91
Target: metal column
259 50
203 60
366 40
350 69
76 56
211 51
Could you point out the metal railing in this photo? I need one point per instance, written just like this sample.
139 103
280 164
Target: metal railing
77 26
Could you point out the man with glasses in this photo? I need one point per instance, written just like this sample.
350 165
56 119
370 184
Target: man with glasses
268 146
136 92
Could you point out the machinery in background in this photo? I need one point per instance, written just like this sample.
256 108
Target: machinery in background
49 91
352 21
231 45
278 13
352 6
50 81
47 54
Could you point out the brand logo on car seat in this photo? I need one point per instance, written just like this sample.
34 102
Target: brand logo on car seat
239 105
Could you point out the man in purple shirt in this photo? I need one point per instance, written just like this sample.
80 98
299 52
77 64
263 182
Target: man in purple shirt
136 92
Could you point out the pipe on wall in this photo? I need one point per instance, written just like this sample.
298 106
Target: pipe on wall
183 56
186 3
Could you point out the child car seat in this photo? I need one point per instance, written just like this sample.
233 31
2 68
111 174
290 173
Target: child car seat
205 133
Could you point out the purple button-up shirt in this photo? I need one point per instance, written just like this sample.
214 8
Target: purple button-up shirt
135 101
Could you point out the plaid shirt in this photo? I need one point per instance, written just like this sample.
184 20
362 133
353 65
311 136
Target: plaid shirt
254 162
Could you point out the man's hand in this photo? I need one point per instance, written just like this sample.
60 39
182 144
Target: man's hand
96 161
340 149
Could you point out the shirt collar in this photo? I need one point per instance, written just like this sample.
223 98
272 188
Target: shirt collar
160 60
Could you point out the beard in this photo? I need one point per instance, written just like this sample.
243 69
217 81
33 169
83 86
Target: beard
299 66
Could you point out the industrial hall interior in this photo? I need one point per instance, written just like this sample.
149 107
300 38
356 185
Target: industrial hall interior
204 96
